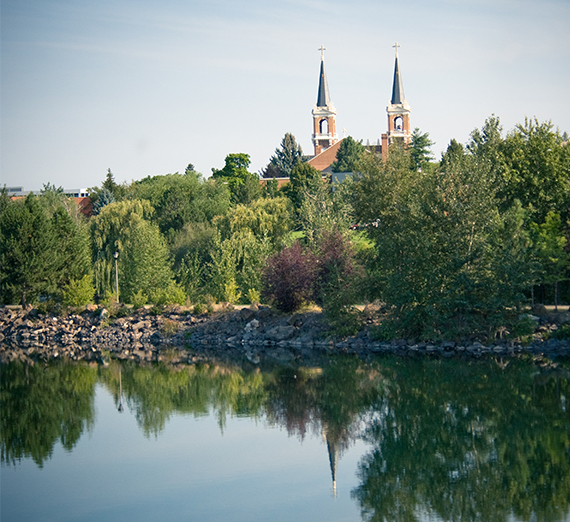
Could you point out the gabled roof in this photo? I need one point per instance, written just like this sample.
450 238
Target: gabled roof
398 97
323 97
324 160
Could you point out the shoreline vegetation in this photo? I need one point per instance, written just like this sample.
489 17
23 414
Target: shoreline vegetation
255 333
453 252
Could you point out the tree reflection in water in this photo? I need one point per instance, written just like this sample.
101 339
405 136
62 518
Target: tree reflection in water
468 442
463 441
39 408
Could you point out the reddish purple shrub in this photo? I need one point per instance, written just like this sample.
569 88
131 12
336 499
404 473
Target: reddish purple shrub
336 269
289 278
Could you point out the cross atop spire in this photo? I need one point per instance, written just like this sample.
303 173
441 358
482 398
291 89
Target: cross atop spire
322 48
395 46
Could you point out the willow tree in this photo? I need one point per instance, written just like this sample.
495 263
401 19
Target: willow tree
144 264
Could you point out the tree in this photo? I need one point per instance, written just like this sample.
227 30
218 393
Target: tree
550 249
537 169
419 147
287 157
303 177
349 153
244 186
449 261
289 277
144 264
105 198
39 253
179 199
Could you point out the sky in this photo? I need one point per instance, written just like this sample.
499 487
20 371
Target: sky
145 87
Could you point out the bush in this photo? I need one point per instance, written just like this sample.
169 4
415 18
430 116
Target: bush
139 299
79 292
289 278
172 294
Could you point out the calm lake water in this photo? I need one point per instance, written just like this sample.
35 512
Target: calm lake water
385 441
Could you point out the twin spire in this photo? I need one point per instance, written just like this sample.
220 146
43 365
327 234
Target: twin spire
324 113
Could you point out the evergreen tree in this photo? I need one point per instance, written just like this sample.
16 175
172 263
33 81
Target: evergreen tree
287 157
349 154
419 148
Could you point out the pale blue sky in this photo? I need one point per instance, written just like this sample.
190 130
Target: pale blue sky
146 87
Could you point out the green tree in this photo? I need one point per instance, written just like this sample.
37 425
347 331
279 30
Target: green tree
537 169
549 245
348 155
420 149
287 157
303 178
448 259
179 199
144 263
39 253
244 186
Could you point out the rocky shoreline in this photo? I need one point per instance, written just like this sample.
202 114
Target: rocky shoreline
255 333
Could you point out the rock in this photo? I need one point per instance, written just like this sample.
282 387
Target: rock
281 333
252 325
246 314
539 309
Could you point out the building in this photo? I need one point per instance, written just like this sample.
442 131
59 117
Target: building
81 197
325 139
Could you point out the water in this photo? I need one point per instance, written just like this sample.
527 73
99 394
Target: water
390 440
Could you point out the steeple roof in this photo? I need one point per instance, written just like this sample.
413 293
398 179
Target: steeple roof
323 97
398 97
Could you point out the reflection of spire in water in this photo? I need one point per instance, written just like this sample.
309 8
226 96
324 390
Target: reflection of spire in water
333 458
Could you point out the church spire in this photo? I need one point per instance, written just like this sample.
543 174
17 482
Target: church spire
398 112
324 114
323 97
397 87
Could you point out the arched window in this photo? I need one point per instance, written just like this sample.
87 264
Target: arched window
324 126
398 123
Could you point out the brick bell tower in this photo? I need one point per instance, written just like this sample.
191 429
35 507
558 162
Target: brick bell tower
324 114
398 112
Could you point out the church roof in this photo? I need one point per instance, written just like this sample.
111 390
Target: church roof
398 97
324 160
323 97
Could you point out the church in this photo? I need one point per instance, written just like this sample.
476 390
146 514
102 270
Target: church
325 138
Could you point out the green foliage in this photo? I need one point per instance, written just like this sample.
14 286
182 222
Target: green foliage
40 251
265 218
549 246
287 157
144 263
446 255
323 209
562 333
348 156
243 185
181 199
302 180
139 299
79 292
171 294
419 148
537 169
